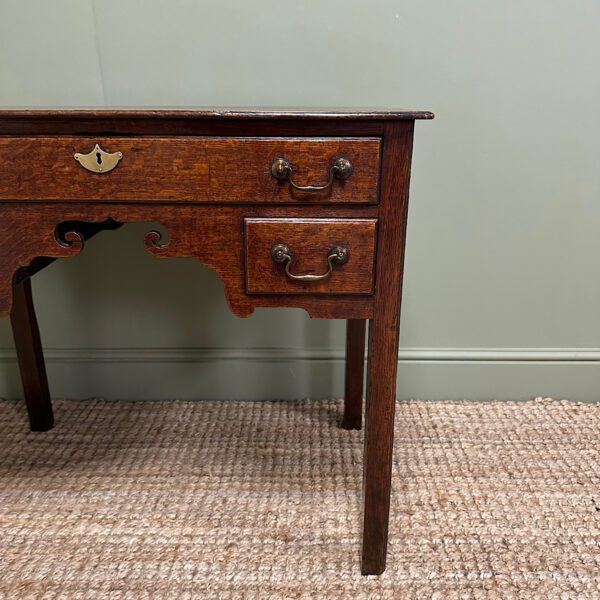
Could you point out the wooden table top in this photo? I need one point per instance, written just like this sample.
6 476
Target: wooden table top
379 114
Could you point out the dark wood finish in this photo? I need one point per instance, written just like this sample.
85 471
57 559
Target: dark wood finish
102 124
31 358
310 241
274 114
27 336
86 230
212 235
355 368
192 169
231 122
48 213
384 333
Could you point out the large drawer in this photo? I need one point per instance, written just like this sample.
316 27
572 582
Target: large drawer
189 169
309 256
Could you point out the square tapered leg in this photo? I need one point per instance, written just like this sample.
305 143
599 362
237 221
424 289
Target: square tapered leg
31 358
379 437
355 353
384 332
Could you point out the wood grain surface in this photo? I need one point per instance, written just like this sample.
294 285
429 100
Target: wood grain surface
384 334
310 242
211 234
192 169
28 345
224 113
355 370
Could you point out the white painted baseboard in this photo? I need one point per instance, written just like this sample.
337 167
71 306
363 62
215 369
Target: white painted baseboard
277 355
261 373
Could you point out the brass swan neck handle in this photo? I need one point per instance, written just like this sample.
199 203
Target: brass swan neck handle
338 255
282 169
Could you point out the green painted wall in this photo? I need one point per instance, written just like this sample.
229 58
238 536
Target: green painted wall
502 285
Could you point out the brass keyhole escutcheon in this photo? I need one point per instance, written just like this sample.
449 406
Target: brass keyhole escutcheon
98 160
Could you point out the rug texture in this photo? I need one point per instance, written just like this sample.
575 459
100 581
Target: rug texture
235 500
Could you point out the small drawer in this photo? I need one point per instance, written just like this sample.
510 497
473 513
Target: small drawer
310 256
190 169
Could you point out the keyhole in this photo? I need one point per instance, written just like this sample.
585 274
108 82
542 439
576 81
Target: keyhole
99 158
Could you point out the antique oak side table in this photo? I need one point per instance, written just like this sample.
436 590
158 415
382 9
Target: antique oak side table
301 209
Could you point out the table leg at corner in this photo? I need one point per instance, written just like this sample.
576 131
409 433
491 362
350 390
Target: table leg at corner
384 332
379 438
31 358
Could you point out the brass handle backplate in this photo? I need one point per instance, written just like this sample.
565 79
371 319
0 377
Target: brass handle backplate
338 255
282 169
98 160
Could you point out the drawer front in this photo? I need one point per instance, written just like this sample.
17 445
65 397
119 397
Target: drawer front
188 169
310 256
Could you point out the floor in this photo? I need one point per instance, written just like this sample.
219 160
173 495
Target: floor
233 500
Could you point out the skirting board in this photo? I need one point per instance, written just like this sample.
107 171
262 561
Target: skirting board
265 373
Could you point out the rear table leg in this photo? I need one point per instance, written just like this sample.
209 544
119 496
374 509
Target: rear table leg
31 358
355 354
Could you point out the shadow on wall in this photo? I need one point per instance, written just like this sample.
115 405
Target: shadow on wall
119 323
